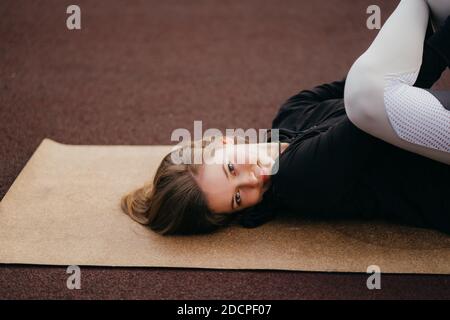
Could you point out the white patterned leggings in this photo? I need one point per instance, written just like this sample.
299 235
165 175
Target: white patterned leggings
379 94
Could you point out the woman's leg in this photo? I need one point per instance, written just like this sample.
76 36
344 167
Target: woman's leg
439 11
379 94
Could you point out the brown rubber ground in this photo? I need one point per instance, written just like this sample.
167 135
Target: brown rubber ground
140 69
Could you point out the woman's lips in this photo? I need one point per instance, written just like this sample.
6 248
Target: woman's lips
264 174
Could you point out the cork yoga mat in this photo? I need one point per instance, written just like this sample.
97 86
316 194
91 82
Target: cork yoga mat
63 209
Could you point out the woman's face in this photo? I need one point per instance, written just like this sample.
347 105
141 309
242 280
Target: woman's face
237 175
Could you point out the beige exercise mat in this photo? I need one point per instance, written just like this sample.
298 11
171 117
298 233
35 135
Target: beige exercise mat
63 209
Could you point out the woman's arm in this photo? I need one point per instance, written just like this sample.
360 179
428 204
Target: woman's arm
315 173
326 91
436 57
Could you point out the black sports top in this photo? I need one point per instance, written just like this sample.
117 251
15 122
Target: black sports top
332 169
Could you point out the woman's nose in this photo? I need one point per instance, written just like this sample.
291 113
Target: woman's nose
248 179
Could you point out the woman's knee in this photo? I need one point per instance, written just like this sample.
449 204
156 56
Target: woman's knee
363 94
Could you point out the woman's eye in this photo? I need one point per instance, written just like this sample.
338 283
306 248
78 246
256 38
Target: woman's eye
237 198
230 167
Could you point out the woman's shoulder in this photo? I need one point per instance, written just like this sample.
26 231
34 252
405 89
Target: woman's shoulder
261 213
296 118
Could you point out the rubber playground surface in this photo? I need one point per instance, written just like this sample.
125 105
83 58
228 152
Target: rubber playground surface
136 71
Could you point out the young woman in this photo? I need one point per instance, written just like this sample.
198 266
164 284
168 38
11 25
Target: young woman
373 145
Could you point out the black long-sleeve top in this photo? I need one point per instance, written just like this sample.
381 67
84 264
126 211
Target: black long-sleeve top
332 169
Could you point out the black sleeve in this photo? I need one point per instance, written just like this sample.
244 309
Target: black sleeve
315 173
326 91
304 101
436 56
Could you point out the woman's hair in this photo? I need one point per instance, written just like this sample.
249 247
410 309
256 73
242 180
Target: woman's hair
173 203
